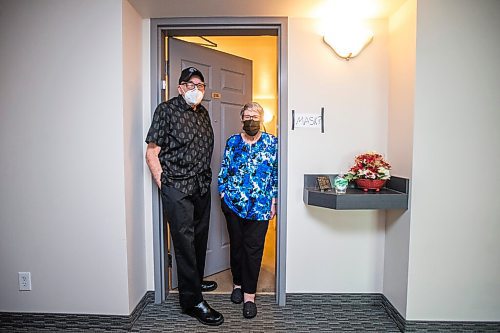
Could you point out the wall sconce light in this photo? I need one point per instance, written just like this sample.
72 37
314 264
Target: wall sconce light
348 43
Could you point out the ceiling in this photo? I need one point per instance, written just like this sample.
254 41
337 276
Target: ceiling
367 9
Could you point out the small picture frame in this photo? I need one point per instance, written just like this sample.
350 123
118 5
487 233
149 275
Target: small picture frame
324 183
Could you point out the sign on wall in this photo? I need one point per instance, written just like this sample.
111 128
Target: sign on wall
308 120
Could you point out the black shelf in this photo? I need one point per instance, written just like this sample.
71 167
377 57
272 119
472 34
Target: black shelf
394 195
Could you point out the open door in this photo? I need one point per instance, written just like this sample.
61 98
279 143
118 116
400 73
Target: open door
229 87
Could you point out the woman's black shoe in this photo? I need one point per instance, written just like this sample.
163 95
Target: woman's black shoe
205 314
249 310
237 296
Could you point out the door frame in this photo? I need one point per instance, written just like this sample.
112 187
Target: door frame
229 26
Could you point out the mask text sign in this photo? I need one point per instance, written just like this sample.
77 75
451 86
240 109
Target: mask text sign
307 120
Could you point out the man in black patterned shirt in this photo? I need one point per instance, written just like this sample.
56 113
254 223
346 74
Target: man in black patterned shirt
180 144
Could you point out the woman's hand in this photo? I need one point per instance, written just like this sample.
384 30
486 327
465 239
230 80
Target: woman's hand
273 209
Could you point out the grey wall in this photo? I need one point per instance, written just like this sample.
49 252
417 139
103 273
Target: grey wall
64 140
402 32
133 153
454 266
441 259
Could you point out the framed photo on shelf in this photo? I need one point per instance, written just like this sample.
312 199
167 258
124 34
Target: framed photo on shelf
324 183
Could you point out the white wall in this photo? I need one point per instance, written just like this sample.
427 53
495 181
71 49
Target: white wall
62 131
134 158
402 32
454 270
329 250
146 122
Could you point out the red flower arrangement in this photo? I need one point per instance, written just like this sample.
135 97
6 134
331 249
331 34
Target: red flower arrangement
370 165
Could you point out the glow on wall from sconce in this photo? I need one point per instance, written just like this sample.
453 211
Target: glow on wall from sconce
260 97
266 100
268 104
265 82
268 115
357 9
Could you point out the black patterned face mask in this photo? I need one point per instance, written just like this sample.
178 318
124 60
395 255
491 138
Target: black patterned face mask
251 127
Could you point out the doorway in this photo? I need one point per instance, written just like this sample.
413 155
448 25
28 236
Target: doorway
228 80
161 29
234 52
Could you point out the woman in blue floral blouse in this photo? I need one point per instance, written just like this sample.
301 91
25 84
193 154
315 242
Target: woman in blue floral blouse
248 186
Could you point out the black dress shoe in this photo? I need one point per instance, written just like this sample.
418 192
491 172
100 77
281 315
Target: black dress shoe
208 286
205 314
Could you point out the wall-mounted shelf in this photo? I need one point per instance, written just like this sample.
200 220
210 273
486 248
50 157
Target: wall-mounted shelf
394 195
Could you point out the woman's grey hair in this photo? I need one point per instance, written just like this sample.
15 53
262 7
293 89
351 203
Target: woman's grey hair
253 106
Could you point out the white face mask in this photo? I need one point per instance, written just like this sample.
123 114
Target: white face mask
193 97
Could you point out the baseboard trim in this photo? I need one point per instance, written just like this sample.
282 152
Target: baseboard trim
393 313
336 299
452 326
74 321
437 326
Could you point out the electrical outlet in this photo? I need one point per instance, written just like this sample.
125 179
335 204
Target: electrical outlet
24 280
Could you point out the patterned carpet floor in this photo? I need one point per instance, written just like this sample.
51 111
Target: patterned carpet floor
302 313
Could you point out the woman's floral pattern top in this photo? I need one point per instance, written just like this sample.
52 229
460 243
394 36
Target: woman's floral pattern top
249 176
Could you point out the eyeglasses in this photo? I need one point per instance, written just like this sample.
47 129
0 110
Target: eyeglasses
248 117
190 85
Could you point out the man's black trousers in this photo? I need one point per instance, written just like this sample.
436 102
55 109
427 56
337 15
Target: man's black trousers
188 217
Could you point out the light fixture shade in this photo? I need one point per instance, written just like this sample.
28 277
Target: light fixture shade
348 44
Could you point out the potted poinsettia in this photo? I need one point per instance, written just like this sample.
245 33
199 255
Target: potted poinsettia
370 171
